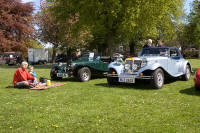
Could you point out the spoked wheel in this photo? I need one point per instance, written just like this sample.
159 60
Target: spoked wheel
158 78
84 74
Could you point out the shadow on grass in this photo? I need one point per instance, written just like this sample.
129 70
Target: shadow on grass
190 91
75 79
71 79
140 85
172 80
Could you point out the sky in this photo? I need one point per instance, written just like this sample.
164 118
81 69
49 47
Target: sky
36 4
187 5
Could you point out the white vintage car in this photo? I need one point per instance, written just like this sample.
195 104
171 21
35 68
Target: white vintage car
152 63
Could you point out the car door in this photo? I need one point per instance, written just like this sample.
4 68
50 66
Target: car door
101 65
174 62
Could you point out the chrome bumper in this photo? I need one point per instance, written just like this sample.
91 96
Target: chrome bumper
129 76
63 75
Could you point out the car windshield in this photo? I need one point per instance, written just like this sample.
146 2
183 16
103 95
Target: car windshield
154 52
7 55
84 57
89 56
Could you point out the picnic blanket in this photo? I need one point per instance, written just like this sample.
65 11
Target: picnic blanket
44 87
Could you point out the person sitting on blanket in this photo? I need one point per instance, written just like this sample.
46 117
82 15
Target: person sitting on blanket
33 73
22 79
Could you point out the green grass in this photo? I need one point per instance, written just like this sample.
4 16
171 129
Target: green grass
95 107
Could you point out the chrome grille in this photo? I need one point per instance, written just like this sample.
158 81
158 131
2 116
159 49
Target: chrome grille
134 66
129 69
138 63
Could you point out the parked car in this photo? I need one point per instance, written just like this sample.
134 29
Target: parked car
2 61
12 58
197 79
88 65
154 64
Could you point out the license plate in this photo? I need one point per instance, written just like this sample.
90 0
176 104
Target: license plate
127 80
62 75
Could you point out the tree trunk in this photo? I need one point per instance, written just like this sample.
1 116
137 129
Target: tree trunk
69 52
54 54
132 47
100 48
110 45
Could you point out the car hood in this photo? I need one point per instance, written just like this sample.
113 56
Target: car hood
79 61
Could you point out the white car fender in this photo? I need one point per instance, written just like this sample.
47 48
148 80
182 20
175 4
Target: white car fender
149 67
184 66
117 66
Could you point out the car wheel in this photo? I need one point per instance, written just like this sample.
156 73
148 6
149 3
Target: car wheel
187 74
84 74
53 74
40 62
112 80
158 79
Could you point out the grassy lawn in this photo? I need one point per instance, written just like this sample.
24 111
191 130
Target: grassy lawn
95 107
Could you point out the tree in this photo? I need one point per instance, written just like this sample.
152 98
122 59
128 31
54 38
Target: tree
59 33
121 20
193 28
15 25
153 19
33 44
194 23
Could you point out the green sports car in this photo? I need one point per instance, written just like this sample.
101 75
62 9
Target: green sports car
88 65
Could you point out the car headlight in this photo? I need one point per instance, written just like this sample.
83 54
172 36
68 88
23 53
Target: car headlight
127 66
60 64
73 65
144 63
134 67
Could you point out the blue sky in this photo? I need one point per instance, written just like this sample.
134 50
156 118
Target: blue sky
37 4
187 5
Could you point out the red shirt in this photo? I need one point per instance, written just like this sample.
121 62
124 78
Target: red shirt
22 74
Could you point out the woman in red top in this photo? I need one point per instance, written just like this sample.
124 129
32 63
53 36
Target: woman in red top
21 77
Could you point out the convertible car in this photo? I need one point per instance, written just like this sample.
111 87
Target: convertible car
154 64
88 65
